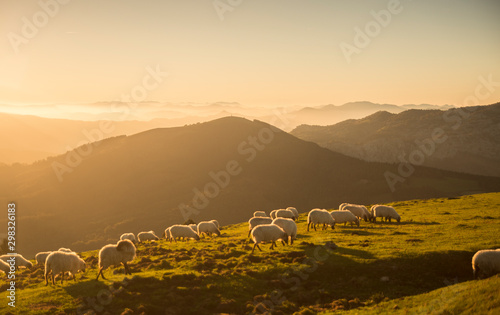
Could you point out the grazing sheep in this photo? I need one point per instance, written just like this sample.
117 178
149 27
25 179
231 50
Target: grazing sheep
113 255
128 236
166 234
179 231
273 214
41 257
268 233
344 216
255 221
61 262
386 212
208 228
66 250
289 226
486 263
5 267
320 216
20 260
194 227
295 212
147 236
285 213
358 210
342 205
216 223
259 214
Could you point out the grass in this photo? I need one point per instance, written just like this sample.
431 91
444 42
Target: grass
421 265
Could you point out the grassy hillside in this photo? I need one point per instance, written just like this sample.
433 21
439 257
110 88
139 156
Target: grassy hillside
419 263
147 181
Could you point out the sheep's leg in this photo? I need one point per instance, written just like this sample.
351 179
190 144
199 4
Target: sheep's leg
249 231
100 273
308 226
389 219
127 270
47 277
53 278
283 242
273 244
255 245
62 277
314 226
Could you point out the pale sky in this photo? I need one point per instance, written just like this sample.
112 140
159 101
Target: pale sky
262 53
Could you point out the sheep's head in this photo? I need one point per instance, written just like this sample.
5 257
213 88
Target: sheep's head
333 225
398 219
29 264
197 237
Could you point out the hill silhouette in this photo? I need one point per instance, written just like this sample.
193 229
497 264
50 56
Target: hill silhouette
471 138
224 169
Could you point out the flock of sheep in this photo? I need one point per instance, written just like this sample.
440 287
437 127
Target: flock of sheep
278 226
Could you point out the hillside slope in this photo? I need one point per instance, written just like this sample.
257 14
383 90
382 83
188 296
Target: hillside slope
153 179
421 264
465 140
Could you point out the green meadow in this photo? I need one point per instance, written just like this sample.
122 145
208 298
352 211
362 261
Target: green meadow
421 265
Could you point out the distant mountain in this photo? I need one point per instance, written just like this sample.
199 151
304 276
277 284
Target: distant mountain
27 138
332 114
223 169
470 140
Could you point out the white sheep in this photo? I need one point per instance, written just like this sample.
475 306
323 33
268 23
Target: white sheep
5 267
342 205
66 250
41 257
147 236
486 263
386 212
344 216
216 223
259 214
208 228
61 262
194 227
289 226
285 213
319 216
113 255
273 214
128 236
268 233
166 233
358 210
255 221
20 260
179 231
295 212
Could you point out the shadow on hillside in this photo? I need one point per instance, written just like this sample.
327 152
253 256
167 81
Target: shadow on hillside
360 232
406 223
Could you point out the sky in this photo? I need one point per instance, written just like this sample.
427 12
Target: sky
256 53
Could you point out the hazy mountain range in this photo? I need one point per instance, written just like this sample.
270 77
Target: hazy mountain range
28 138
462 140
223 169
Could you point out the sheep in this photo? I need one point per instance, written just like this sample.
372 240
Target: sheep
486 263
166 234
41 257
66 250
285 213
128 236
255 221
147 236
208 227
295 212
259 214
273 214
344 216
60 262
358 210
20 260
216 223
182 231
386 212
5 267
268 233
194 227
113 255
320 216
289 226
